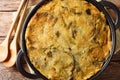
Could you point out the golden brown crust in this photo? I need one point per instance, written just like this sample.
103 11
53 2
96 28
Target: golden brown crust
68 39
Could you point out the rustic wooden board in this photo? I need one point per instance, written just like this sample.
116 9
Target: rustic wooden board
7 9
11 74
9 5
5 22
12 5
112 72
116 57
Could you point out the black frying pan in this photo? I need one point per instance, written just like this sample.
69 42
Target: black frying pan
102 6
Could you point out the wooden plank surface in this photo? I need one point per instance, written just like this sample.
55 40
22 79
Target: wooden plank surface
7 9
112 72
5 22
12 5
7 13
9 5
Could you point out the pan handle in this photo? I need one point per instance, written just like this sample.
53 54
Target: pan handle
21 69
110 5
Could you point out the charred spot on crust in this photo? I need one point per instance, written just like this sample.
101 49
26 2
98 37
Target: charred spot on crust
57 33
49 54
69 48
88 11
74 32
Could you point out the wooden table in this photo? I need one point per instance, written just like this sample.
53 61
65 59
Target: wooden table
8 8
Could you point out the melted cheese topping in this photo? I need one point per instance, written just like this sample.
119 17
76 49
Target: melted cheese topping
68 39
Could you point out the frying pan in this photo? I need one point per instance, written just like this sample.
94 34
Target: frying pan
102 6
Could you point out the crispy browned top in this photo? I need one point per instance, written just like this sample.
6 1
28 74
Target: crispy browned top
68 39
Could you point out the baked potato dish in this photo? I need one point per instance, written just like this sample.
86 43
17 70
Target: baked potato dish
68 40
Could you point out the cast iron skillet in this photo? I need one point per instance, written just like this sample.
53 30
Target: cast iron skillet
102 6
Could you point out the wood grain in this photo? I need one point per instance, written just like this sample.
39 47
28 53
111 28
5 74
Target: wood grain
111 72
116 57
9 5
12 5
5 22
11 74
7 9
